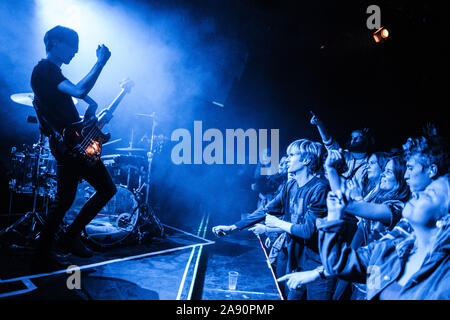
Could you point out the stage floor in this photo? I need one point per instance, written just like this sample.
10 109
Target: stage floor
184 265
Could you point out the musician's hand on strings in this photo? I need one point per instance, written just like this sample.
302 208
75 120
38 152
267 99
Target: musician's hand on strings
297 279
89 119
220 231
89 115
106 114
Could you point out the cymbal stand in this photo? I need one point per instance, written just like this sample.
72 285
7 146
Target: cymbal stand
150 159
129 169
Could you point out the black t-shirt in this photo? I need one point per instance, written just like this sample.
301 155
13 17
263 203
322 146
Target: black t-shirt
56 106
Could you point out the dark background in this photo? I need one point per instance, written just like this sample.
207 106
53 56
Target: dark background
313 55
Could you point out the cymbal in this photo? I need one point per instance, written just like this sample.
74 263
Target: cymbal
131 149
23 98
26 98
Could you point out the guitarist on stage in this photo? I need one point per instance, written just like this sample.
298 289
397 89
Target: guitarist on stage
55 109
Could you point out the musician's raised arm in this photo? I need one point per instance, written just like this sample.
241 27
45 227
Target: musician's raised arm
53 94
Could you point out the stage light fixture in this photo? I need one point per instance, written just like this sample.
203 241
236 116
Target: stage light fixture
381 35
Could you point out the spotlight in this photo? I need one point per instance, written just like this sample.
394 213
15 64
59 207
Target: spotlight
380 35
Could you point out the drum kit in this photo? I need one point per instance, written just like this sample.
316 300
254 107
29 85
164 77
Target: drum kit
127 217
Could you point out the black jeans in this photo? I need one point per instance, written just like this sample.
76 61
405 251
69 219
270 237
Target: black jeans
69 173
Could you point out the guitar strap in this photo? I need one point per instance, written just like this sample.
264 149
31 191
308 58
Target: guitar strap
55 138
44 125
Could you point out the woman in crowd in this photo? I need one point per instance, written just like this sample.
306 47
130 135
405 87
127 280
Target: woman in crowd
378 212
427 160
375 167
381 208
416 267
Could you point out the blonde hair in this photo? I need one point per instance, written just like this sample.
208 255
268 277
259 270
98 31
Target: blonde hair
308 150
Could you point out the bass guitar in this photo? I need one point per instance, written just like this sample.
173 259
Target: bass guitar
86 139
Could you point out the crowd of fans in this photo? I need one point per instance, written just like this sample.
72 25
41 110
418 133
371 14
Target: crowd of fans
352 224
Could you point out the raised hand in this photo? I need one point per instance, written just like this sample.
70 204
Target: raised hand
335 206
103 54
429 129
314 119
333 157
354 190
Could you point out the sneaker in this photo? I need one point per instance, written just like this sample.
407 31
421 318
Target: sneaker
75 246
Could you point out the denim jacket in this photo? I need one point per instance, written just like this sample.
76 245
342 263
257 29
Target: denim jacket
382 262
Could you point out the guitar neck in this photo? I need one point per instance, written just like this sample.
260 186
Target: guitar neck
112 107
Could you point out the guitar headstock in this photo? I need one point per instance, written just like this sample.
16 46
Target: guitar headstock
127 84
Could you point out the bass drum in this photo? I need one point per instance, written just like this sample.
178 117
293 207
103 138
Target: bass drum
114 224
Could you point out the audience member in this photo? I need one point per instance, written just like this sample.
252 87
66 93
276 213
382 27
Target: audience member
300 203
356 154
412 268
315 250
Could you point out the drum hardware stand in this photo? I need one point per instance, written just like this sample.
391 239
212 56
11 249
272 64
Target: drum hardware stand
12 185
150 159
33 215
147 214
146 204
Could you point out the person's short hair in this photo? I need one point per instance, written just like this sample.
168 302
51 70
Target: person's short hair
60 33
368 137
428 151
308 150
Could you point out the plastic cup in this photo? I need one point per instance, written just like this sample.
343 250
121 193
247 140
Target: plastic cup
232 279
